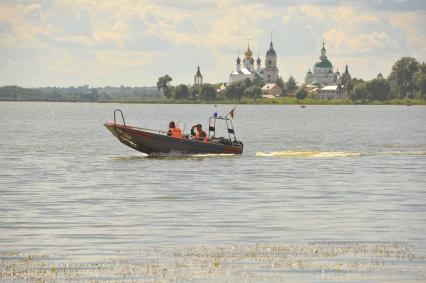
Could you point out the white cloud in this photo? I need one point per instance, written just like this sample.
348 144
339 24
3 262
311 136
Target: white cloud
349 14
356 43
28 22
313 11
412 25
116 66
72 37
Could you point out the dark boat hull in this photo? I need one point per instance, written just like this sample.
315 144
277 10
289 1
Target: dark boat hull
149 143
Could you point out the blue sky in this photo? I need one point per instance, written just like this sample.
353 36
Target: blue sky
123 42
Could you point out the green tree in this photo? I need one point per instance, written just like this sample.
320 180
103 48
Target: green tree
235 90
195 92
280 83
240 87
247 83
359 92
258 81
420 80
351 83
230 91
402 76
163 85
253 92
291 85
377 89
301 93
181 92
208 92
92 95
284 92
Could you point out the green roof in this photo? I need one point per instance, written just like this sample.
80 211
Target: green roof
315 84
323 63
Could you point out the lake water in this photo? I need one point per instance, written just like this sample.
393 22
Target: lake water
350 178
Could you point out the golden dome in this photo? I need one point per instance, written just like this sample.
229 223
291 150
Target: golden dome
248 53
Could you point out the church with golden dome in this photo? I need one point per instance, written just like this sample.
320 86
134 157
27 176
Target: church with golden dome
247 69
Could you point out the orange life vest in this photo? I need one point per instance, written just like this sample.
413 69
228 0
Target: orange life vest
176 132
198 138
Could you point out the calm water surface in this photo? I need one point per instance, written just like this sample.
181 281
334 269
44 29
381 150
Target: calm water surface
318 174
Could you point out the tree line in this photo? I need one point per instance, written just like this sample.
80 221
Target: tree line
81 93
406 80
234 91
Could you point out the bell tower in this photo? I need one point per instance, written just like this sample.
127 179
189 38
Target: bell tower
271 70
198 78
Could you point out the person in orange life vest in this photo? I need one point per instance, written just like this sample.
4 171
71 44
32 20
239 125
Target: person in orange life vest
174 131
200 135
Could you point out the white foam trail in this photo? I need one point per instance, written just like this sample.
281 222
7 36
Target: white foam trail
327 154
169 154
307 153
177 154
406 153
213 155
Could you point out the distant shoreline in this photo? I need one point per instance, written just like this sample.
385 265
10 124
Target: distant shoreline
261 101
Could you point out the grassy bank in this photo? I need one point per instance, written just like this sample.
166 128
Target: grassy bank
280 101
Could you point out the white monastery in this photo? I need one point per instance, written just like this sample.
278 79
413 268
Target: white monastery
322 81
323 71
248 70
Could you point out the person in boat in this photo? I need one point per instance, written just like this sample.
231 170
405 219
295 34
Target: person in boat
174 131
200 135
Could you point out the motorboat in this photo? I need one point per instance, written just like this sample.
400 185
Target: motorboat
154 141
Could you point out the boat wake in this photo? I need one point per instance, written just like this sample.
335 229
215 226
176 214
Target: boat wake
178 155
308 153
412 147
129 158
286 153
331 154
214 155
404 153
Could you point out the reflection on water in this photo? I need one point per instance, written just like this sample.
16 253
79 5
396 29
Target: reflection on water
129 158
173 156
180 155
316 175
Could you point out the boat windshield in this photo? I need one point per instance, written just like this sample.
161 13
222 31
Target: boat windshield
221 127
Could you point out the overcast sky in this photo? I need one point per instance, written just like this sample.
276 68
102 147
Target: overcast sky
112 42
